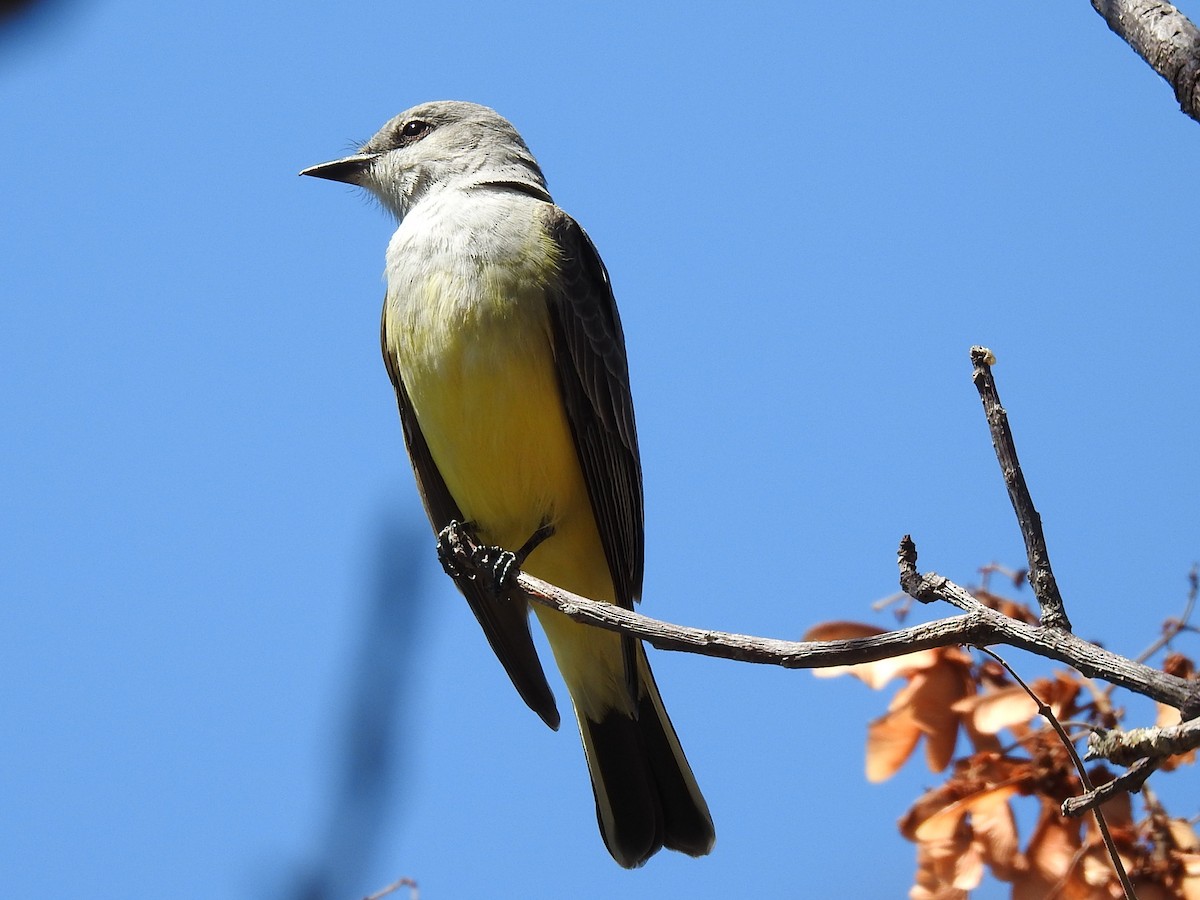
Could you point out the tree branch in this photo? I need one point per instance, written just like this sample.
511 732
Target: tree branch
1126 747
1085 657
1130 781
1041 576
979 626
1165 39
748 648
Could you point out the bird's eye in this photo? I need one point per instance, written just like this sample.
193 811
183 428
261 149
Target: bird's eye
412 131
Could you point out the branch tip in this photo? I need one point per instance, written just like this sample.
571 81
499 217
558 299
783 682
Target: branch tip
912 582
982 357
1041 576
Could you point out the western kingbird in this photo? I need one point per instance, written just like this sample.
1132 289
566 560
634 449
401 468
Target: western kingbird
502 340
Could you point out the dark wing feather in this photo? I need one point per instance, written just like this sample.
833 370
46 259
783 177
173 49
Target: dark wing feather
589 349
593 374
505 622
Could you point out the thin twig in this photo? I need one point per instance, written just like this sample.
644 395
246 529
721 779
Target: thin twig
1041 576
1130 781
1017 576
1048 714
395 886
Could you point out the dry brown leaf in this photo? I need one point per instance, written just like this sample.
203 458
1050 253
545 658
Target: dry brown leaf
1052 856
1059 694
891 739
982 743
1054 844
948 866
1167 717
1118 813
982 780
935 691
995 830
997 710
1010 608
1179 665
1096 870
940 814
928 805
941 824
841 631
1183 835
937 892
1190 883
874 674
930 883
968 869
1011 708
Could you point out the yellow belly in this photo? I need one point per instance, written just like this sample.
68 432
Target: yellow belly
481 378
484 391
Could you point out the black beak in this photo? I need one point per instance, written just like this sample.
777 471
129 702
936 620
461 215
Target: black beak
348 170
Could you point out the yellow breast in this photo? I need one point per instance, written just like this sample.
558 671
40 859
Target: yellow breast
472 342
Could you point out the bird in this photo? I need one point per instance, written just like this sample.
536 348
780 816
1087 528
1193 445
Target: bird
502 340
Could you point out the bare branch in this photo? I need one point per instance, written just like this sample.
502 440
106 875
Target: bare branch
980 626
747 648
1085 657
1131 782
1165 39
1041 577
1125 747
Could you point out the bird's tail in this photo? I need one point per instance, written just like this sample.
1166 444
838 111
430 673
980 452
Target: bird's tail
646 794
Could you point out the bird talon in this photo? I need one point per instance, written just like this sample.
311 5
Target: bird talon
462 555
504 569
452 547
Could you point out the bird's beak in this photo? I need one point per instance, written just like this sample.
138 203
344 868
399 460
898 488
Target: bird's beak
347 170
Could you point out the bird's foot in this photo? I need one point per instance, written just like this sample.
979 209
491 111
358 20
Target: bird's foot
463 555
455 546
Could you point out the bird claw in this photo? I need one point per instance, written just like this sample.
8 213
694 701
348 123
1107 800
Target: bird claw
453 546
505 567
463 555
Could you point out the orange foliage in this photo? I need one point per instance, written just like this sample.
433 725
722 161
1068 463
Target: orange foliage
965 827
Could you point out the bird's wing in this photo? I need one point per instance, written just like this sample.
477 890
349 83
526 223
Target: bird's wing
505 622
593 374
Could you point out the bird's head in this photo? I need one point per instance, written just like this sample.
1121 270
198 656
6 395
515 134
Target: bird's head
446 143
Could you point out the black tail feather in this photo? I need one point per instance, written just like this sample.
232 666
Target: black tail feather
646 795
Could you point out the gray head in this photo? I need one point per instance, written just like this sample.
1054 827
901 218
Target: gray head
446 142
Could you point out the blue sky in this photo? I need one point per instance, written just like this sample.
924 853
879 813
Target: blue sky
808 221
